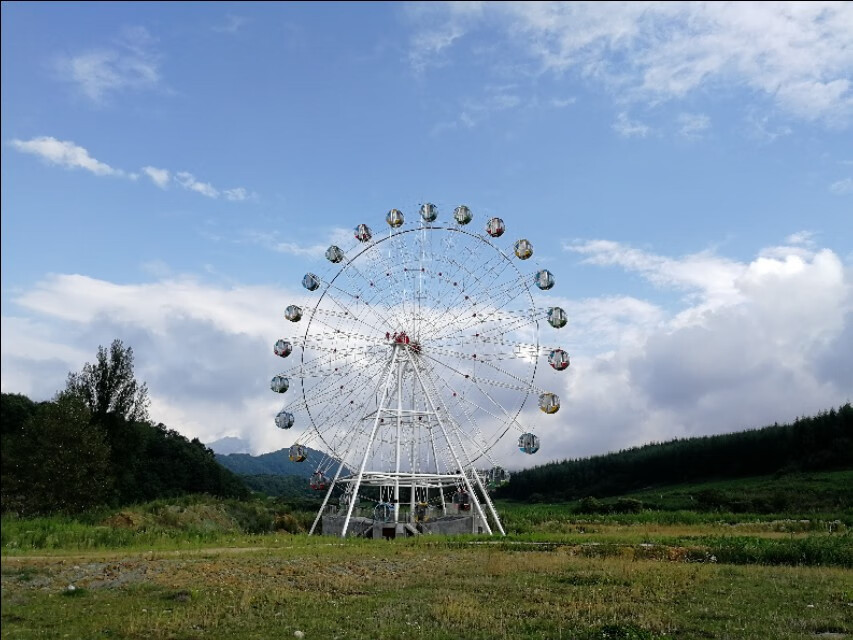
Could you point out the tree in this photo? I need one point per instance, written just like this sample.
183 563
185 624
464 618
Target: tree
109 386
60 464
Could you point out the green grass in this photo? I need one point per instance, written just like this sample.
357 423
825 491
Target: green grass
417 588
791 493
207 568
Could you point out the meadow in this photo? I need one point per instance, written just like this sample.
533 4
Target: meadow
212 568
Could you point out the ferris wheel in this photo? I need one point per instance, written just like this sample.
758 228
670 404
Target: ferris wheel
415 355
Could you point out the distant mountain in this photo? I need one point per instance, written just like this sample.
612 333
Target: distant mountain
228 445
276 463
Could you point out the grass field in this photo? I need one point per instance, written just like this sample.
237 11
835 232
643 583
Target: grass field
201 568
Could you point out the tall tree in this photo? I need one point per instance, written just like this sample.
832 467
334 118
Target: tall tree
109 387
58 464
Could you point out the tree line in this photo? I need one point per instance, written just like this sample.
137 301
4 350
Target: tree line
94 444
822 442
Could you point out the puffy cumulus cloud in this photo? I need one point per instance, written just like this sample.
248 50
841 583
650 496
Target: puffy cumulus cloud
796 54
205 351
751 343
745 344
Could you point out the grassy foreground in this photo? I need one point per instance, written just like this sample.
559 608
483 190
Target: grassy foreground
196 570
327 589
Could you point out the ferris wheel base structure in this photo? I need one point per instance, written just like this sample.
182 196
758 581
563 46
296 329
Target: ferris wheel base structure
368 527
406 516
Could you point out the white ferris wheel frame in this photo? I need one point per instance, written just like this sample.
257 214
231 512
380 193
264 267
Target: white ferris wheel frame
406 360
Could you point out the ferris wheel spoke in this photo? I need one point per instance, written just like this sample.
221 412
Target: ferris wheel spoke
500 298
502 416
485 321
460 401
466 295
355 317
466 374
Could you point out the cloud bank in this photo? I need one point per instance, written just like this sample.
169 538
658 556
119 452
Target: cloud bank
749 343
797 55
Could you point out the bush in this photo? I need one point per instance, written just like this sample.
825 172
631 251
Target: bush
591 505
628 505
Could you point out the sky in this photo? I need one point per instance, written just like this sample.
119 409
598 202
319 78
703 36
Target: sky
171 170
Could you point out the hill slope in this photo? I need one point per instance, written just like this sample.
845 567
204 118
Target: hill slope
822 442
275 463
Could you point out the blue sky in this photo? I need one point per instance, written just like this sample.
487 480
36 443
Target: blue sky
169 172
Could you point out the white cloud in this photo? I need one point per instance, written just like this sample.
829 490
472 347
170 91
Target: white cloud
842 187
132 64
65 153
188 181
704 272
628 128
337 236
796 54
429 43
173 325
804 238
766 350
236 195
160 177
751 342
692 126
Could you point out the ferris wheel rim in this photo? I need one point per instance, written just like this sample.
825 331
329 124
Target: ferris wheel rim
377 241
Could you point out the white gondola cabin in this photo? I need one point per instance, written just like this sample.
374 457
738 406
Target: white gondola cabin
558 359
549 402
528 443
544 279
282 348
523 249
394 218
496 477
297 453
557 318
279 384
462 215
293 313
429 212
318 481
495 227
334 254
363 233
311 282
284 419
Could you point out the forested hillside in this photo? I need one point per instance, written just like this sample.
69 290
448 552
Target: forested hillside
822 442
275 463
94 445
